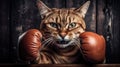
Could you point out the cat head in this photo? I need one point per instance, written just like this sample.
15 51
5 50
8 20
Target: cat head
62 26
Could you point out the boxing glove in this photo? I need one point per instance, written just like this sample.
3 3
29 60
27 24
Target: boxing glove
92 47
29 45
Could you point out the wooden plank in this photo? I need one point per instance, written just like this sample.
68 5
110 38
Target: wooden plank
112 30
91 17
115 30
14 24
4 31
100 17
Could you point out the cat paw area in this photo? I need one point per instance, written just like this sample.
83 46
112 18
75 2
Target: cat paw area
19 16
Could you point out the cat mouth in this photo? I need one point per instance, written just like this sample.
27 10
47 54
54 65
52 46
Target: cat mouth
63 44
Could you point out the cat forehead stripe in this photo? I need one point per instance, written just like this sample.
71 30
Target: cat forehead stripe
64 15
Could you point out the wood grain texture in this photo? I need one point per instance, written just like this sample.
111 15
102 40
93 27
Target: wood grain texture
115 31
17 16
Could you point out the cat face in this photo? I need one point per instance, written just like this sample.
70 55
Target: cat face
62 27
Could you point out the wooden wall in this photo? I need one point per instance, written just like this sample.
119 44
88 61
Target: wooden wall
17 16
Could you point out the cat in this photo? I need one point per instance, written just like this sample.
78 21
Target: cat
61 29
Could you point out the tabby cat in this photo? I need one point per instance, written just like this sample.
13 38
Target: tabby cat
61 29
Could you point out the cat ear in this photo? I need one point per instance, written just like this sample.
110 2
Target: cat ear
83 9
43 9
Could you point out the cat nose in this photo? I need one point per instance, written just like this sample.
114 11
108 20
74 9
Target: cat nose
62 34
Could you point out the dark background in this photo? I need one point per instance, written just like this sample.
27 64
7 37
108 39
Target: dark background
17 16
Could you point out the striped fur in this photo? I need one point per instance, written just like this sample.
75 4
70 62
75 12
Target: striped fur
61 29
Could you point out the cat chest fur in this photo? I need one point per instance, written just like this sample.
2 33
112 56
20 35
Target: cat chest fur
57 56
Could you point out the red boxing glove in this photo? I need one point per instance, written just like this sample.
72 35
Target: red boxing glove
29 45
92 47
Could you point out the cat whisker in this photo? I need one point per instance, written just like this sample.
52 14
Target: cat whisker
50 42
45 43
78 45
46 40
77 42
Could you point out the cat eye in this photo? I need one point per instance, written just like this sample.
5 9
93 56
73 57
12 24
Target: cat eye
72 25
52 24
